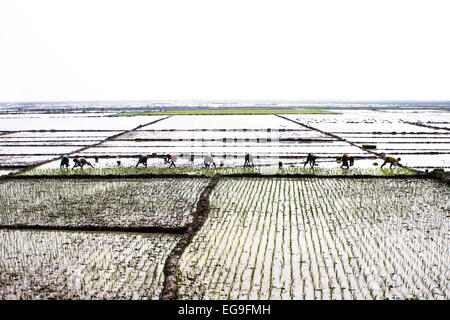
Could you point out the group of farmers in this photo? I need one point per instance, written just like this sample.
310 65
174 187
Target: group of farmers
347 161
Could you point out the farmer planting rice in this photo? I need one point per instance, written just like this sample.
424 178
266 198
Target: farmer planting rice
347 161
171 159
248 160
393 161
64 162
81 162
142 159
208 161
311 159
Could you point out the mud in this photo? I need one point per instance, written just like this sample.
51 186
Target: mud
171 272
426 125
104 177
97 228
441 176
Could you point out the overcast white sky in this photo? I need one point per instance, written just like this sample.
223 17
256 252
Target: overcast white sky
206 49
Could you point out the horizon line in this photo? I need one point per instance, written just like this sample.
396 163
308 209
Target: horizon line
237 100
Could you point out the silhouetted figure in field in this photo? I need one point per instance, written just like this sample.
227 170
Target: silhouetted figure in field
81 162
248 160
311 159
347 161
170 159
142 159
208 161
64 162
393 161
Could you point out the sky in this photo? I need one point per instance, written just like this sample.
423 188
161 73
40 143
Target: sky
206 49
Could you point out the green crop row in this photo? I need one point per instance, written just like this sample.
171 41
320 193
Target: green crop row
224 111
219 170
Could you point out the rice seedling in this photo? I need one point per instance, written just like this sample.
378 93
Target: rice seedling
201 171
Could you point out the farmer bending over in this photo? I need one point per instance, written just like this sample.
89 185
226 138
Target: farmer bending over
311 159
248 160
347 161
81 162
142 159
170 158
208 161
393 161
64 162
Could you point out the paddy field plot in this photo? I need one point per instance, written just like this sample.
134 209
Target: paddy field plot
155 202
265 237
393 133
25 137
118 141
312 238
71 121
218 122
41 265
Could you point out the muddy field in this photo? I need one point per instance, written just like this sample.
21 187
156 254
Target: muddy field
268 232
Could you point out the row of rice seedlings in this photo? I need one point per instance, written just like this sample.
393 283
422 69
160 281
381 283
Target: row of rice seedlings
355 234
354 224
192 274
325 283
261 228
220 235
112 202
351 252
286 240
63 265
244 232
221 170
325 280
239 232
266 285
269 269
370 242
208 269
348 241
417 239
301 265
244 273
122 170
195 265
266 277
358 237
404 272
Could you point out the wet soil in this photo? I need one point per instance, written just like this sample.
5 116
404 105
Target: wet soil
171 271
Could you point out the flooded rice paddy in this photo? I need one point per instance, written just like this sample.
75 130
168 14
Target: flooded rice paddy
321 239
420 138
82 266
263 238
107 203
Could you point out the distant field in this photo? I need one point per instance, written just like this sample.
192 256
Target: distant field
222 111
